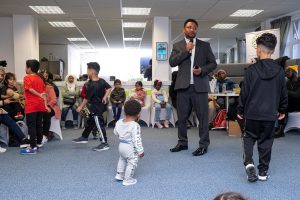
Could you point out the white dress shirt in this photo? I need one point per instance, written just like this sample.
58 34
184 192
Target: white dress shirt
192 58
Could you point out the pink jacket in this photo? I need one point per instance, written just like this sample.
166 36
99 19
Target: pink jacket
52 101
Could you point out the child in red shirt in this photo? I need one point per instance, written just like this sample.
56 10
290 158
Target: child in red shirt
35 105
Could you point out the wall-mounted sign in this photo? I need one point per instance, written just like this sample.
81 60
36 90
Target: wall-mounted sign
161 51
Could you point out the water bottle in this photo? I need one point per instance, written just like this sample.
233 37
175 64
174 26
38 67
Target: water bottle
224 88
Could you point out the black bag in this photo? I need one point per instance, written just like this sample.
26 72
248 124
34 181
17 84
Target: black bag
69 101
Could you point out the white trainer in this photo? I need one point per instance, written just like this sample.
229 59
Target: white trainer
2 150
129 182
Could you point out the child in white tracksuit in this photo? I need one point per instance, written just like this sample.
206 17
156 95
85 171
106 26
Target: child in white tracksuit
130 147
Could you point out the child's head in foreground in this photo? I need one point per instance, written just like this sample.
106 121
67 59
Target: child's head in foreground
230 196
132 108
266 44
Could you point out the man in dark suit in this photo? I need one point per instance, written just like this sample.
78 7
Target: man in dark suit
195 61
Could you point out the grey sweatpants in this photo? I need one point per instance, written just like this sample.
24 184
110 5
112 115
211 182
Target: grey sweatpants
127 161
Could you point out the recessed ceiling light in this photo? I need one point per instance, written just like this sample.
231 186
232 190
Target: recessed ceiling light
62 24
224 26
204 39
246 13
135 11
132 39
47 9
134 24
77 39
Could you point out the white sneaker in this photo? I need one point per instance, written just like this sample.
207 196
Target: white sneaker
2 150
158 125
129 182
119 176
45 140
166 124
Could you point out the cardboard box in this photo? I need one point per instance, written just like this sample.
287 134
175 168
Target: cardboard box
234 129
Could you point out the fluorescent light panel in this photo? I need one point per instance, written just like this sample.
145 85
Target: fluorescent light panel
132 39
204 39
135 11
62 24
134 24
246 13
47 9
224 26
77 39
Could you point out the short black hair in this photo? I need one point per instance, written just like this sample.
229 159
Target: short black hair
34 65
190 20
156 82
267 40
117 81
230 196
139 83
132 108
94 65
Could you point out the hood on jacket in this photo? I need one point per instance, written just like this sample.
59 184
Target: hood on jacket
267 68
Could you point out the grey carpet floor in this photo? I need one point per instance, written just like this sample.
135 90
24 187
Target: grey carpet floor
63 170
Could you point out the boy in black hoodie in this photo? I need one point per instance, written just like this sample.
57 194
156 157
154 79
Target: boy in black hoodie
262 101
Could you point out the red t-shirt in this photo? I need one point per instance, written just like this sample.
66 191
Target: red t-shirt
34 103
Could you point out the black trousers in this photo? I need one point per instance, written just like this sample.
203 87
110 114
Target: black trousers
91 123
35 128
47 121
263 133
186 100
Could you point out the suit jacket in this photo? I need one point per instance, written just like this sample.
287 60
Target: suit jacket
204 58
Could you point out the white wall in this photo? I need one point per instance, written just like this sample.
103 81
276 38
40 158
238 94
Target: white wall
58 52
7 42
26 42
74 61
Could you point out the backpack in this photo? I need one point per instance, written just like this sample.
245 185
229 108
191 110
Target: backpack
220 119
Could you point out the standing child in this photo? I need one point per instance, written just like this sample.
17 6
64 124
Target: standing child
130 147
97 91
160 99
35 105
117 99
139 93
262 101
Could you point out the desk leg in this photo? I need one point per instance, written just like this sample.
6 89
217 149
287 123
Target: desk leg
227 107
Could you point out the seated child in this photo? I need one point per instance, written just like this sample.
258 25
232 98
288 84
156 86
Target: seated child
16 108
139 93
117 99
160 99
130 147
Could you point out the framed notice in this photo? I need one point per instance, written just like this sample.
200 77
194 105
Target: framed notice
161 51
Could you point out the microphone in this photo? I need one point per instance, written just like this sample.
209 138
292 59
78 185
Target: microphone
191 40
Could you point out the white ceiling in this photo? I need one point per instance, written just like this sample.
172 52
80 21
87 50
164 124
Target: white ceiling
100 21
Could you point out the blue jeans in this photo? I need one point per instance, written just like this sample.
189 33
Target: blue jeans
65 111
117 110
158 110
11 124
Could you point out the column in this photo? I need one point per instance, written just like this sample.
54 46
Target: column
161 33
26 42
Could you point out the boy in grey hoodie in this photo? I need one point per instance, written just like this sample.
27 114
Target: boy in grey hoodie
130 147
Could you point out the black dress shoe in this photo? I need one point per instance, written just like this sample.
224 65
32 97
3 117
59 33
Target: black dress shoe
200 151
178 148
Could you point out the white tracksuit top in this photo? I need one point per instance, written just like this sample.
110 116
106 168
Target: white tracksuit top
130 133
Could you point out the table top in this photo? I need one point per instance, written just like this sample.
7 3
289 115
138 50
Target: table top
224 94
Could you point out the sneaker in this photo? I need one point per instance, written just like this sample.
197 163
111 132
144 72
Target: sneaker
251 173
101 147
2 150
263 176
45 140
166 124
129 182
40 146
119 176
28 151
19 116
25 143
158 125
80 140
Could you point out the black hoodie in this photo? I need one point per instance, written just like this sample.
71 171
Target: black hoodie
264 91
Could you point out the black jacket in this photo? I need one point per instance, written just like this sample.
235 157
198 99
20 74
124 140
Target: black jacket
264 91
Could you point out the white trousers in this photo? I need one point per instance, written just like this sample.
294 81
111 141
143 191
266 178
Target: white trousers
127 161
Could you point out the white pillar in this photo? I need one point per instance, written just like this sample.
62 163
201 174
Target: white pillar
7 43
26 42
161 33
